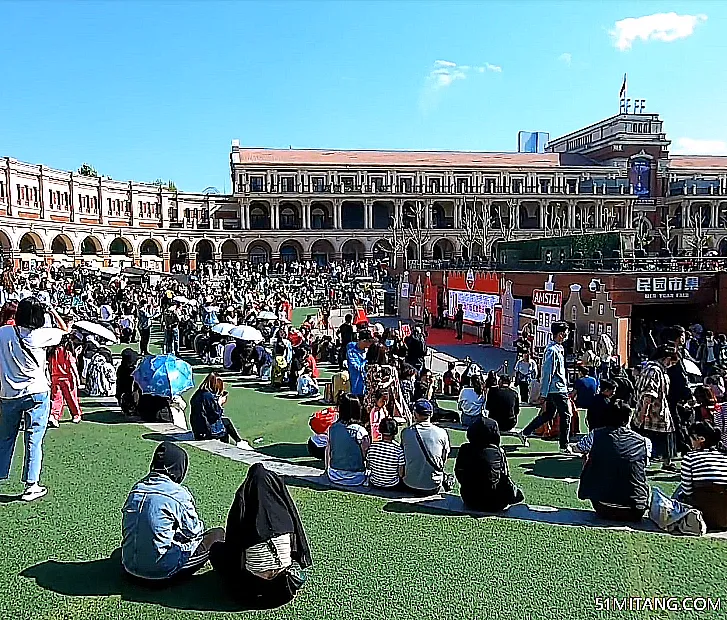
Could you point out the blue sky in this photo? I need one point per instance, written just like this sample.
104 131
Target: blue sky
148 90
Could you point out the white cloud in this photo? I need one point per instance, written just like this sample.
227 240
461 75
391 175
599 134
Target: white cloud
693 146
566 58
664 27
443 74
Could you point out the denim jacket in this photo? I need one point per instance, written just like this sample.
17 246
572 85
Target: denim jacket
160 526
553 377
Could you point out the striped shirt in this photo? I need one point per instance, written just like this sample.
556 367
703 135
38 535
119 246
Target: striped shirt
383 460
272 555
720 422
703 467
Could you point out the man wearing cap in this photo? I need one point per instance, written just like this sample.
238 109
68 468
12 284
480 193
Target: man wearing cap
426 448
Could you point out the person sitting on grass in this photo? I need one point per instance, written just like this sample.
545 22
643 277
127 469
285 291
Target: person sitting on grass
307 385
125 382
265 548
614 474
347 445
599 411
385 458
451 380
207 417
471 402
426 448
481 468
704 475
378 412
163 536
503 404
585 388
319 423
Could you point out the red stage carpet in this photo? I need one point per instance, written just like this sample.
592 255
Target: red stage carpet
438 337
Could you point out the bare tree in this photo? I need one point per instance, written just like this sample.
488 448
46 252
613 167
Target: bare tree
468 227
482 224
642 231
507 224
698 241
610 217
416 231
665 228
554 219
397 239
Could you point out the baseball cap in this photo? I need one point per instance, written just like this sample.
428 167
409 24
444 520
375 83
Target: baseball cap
423 407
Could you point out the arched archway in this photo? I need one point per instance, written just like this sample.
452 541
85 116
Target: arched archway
259 215
320 217
258 252
205 251
443 250
322 252
290 251
352 214
411 251
61 244
439 219
150 247
178 252
290 218
353 250
382 249
230 251
30 243
120 247
90 246
6 248
382 213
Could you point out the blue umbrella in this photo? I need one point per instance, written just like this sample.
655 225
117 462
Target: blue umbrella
163 375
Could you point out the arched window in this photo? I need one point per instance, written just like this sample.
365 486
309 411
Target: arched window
318 218
289 219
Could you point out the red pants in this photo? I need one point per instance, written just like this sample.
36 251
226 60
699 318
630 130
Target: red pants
60 390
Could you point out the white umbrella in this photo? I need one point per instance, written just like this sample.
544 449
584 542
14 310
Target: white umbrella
692 368
266 315
181 299
96 330
246 332
223 329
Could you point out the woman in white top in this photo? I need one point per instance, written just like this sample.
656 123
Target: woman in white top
24 389
471 402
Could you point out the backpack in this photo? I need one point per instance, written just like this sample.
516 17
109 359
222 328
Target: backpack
551 429
321 420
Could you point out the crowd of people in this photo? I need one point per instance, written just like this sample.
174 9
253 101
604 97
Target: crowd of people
384 423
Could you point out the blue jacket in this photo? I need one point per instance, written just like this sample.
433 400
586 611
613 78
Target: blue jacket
356 364
553 377
160 526
205 416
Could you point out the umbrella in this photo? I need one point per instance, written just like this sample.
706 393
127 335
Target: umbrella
181 299
691 368
266 315
223 329
96 330
163 375
246 332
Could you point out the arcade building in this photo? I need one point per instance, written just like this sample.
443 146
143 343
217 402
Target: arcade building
325 205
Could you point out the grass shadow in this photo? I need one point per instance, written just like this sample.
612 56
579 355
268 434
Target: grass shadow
104 577
10 499
285 450
108 417
554 467
160 437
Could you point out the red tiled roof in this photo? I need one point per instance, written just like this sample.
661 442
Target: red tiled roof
698 161
442 159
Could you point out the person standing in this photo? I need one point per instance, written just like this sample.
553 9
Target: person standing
64 382
356 357
554 388
526 371
145 316
459 321
487 327
171 330
24 389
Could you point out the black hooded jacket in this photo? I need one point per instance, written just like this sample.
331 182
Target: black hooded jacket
481 469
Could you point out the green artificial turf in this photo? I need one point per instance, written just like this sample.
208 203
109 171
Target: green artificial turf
374 558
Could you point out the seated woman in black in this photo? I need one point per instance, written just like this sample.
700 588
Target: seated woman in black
614 475
265 547
126 395
206 417
481 468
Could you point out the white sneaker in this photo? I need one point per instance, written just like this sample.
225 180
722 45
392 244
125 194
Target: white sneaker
243 445
33 491
53 423
567 451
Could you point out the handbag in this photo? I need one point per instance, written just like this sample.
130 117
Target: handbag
674 516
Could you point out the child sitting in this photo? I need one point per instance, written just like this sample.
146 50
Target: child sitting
385 458
378 412
307 384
